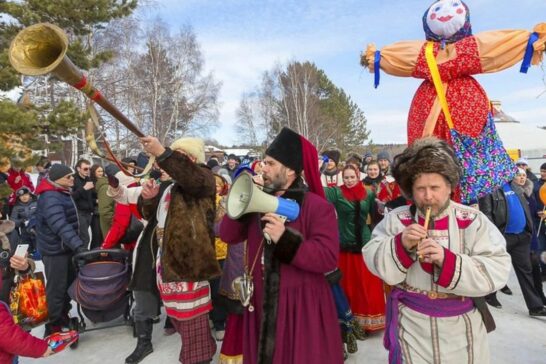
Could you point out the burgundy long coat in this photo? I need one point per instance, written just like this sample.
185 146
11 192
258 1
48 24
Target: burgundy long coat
294 320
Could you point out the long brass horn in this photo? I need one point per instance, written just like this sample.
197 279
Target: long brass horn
41 48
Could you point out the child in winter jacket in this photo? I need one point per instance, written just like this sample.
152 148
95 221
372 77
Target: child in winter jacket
23 215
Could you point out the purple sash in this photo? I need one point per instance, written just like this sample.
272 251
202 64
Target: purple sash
422 304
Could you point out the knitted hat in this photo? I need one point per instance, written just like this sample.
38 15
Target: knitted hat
58 171
383 155
522 160
543 166
299 154
23 190
193 146
333 155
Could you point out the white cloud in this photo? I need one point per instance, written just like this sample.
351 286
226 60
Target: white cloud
525 94
388 126
239 64
535 116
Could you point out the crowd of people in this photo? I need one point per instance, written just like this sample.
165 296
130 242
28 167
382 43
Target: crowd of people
359 258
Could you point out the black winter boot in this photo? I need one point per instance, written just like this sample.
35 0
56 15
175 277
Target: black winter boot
144 342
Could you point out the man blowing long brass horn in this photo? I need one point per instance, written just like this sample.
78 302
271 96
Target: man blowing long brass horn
41 49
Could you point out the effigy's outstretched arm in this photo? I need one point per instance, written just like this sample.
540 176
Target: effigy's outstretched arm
498 49
398 59
501 49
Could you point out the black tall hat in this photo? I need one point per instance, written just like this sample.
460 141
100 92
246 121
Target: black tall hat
287 149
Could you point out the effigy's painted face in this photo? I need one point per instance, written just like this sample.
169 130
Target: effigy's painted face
446 17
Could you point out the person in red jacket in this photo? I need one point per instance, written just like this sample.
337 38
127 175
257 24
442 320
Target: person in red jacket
16 341
122 228
17 178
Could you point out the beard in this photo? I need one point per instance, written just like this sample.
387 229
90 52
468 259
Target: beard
274 183
435 210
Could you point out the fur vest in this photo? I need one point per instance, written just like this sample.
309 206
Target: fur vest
188 240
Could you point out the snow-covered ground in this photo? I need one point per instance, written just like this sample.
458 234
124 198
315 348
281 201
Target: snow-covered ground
518 338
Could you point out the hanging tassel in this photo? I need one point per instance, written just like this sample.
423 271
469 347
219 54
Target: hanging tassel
526 63
376 69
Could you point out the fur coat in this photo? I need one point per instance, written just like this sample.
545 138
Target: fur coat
188 241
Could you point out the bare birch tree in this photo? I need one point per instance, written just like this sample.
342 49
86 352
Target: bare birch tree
157 79
247 127
301 97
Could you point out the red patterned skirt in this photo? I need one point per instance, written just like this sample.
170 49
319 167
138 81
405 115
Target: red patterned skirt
364 291
183 300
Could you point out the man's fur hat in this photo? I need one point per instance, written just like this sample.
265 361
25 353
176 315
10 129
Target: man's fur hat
427 155
193 146
354 157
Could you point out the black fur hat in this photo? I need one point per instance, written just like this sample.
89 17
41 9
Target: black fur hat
286 148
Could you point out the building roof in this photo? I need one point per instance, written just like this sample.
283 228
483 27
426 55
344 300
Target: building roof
531 140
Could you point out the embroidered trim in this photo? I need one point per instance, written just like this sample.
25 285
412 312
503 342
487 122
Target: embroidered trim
447 272
483 271
465 216
457 275
371 322
405 217
469 338
435 340
406 356
400 255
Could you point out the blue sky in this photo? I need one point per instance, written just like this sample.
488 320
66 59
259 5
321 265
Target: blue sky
241 39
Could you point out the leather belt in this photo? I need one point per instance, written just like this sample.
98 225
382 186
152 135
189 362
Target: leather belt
433 295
